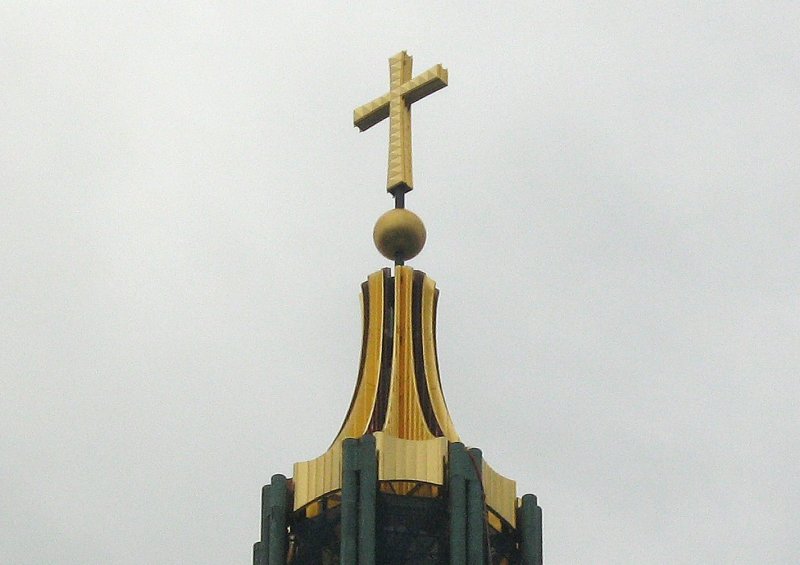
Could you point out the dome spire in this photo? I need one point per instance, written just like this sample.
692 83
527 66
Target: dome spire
397 484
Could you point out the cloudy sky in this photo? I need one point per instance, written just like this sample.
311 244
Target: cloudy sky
611 192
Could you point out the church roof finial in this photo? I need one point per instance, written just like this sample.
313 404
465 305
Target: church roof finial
397 484
399 234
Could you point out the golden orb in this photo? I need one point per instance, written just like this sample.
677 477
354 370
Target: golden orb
399 234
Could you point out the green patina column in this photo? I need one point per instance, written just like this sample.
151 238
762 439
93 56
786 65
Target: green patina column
476 510
368 489
278 498
349 527
260 547
457 502
530 528
258 554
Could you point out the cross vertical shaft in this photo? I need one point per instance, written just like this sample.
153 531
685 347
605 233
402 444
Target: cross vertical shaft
399 167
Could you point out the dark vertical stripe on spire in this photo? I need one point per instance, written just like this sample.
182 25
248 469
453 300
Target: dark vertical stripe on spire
378 419
419 358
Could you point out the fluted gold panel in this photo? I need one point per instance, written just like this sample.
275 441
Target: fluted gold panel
501 493
318 477
408 460
401 460
405 418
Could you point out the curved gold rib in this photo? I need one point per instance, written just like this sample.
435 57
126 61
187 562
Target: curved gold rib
364 398
405 418
431 361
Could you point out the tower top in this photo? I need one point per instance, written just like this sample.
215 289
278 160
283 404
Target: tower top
397 485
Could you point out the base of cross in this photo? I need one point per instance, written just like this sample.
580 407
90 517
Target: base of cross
398 191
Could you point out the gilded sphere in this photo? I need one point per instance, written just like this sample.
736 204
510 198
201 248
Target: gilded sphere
399 234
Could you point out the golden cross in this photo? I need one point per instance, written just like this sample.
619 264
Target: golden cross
396 105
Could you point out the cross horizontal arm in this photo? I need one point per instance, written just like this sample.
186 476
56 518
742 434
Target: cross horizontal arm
428 82
366 116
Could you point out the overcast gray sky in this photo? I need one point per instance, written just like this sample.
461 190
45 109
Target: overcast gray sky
611 197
